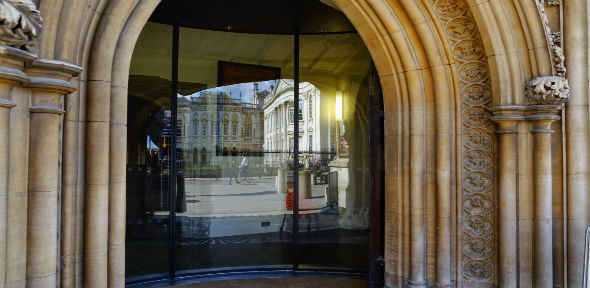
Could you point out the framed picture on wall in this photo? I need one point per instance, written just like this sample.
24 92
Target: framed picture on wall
229 73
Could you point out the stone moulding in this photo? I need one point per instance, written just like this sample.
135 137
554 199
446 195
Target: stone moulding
46 109
12 63
553 37
6 103
478 252
20 24
547 90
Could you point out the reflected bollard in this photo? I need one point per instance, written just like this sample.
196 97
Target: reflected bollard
305 184
281 181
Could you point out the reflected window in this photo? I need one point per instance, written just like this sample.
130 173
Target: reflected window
248 128
179 128
204 157
310 108
214 126
204 127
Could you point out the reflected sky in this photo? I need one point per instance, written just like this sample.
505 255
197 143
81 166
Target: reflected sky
243 91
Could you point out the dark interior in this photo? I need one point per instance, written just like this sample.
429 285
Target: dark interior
248 17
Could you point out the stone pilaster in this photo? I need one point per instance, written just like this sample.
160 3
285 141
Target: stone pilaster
507 118
417 205
542 117
12 63
577 135
49 82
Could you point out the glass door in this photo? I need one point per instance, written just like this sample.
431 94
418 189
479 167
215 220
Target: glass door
149 130
234 143
261 132
334 151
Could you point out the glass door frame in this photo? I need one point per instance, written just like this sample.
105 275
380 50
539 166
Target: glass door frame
376 189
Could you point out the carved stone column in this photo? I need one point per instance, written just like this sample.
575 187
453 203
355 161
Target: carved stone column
49 82
507 119
12 63
546 94
541 117
19 27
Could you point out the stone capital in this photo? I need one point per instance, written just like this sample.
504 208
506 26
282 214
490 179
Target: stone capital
49 80
4 103
507 117
12 65
52 75
546 90
542 116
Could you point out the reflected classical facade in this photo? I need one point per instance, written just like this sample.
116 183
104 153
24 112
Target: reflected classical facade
315 135
213 125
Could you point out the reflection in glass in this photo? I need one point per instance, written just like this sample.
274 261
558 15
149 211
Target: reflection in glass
234 212
235 132
148 150
334 152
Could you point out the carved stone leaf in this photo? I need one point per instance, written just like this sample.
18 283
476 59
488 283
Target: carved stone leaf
20 24
559 61
477 270
477 137
478 182
471 72
477 226
477 205
450 8
477 94
468 49
479 248
548 90
476 116
477 160
461 28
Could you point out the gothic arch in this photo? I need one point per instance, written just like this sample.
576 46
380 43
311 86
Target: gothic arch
441 64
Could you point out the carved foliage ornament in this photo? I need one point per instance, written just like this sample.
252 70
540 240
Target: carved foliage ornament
547 90
553 38
478 213
20 24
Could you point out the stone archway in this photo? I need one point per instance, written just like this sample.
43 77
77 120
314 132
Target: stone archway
414 102
437 91
450 218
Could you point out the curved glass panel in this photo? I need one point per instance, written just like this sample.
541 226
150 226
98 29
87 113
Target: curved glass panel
148 139
233 214
244 122
334 157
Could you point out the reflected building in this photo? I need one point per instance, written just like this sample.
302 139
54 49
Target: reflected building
315 136
213 125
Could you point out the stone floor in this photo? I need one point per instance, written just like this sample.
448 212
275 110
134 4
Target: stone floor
282 283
